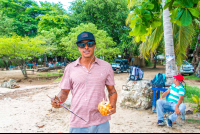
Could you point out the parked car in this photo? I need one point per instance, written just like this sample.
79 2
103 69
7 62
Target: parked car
186 68
120 65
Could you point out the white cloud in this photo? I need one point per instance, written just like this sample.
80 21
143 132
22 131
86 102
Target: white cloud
66 3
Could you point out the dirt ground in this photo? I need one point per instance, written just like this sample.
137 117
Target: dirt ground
27 109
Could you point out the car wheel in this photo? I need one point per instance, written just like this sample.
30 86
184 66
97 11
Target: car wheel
190 74
117 71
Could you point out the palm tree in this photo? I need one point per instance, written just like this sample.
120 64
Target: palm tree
176 38
170 68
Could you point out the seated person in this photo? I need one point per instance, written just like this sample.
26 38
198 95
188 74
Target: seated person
63 64
174 102
34 65
57 64
50 63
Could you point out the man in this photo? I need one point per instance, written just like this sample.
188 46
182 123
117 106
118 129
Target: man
174 102
86 78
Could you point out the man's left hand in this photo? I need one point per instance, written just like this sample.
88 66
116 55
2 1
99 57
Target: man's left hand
112 110
177 111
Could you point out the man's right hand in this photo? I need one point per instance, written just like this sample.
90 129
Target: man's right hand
55 103
161 98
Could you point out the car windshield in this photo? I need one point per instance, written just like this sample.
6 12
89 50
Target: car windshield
186 63
116 61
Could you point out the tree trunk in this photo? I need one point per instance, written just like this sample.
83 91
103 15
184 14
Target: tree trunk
151 56
155 62
6 65
46 69
195 59
170 69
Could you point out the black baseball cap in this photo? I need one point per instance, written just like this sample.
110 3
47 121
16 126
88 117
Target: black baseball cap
85 36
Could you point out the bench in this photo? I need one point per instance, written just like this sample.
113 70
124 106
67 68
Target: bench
13 66
29 70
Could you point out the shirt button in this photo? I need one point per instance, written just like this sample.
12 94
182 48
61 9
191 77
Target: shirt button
87 71
85 99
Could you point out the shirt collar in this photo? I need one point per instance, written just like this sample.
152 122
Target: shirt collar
77 62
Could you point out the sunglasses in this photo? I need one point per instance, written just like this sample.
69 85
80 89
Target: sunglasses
89 44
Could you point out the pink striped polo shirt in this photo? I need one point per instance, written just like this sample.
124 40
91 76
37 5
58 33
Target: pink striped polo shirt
88 90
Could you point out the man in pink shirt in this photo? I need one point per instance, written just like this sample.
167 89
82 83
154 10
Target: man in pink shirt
86 78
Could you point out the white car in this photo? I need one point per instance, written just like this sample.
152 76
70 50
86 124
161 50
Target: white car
186 68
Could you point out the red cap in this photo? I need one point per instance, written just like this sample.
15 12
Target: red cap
179 77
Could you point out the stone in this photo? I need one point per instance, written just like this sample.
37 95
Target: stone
137 95
10 84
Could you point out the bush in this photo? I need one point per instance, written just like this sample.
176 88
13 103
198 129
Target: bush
2 65
190 91
148 63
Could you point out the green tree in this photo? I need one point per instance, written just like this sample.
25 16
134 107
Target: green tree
148 14
105 44
53 39
18 50
23 13
48 22
108 15
6 25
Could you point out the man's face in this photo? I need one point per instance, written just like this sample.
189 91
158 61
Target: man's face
87 52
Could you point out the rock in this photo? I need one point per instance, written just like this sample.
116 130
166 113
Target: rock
10 84
189 112
137 95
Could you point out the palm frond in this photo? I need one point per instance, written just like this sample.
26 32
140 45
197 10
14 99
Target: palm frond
155 38
152 42
144 50
197 22
183 38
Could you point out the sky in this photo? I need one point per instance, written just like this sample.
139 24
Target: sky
66 3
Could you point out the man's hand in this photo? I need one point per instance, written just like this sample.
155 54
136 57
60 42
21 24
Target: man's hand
161 98
55 103
113 110
177 110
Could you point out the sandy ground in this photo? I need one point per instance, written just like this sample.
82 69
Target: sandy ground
28 110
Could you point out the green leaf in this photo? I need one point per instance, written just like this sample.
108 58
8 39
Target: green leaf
150 6
195 111
186 18
195 1
143 39
155 24
143 30
194 99
174 13
194 12
167 5
137 39
179 4
188 3
179 14
131 33
137 11
136 30
147 16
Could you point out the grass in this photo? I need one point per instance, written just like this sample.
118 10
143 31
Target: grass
59 79
192 77
49 74
193 121
191 91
